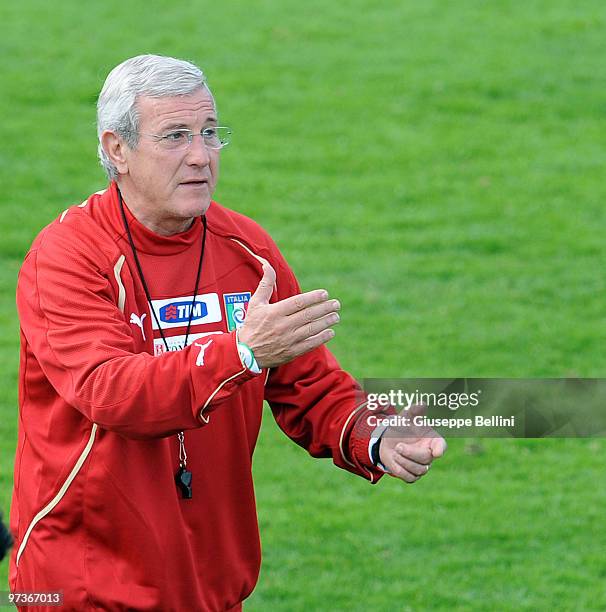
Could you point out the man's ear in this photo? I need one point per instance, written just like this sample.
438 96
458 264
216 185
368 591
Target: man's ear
115 149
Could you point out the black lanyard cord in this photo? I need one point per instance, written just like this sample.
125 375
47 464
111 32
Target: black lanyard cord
140 271
183 477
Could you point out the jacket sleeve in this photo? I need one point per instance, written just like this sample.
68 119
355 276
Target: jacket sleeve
85 348
319 405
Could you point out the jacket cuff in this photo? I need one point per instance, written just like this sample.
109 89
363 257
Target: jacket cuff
225 374
359 441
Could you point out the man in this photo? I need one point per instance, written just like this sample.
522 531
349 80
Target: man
142 383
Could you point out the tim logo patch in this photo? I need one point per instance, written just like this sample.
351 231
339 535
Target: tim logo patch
180 313
175 312
236 305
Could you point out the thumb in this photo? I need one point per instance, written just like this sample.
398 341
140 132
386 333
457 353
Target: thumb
265 288
438 446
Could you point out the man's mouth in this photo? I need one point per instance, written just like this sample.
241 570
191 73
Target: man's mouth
195 182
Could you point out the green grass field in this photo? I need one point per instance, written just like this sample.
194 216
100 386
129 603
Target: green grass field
438 166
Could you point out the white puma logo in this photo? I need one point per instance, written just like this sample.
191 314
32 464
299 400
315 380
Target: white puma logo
138 321
202 347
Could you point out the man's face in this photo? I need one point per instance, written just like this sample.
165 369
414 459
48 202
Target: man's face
166 188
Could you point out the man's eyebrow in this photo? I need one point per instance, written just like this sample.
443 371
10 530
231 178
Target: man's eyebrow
176 125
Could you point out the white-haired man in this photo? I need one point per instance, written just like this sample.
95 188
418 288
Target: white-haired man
142 382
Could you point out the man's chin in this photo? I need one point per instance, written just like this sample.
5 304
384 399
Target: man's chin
196 207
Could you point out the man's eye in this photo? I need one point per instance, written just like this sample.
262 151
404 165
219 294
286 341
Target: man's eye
209 132
174 136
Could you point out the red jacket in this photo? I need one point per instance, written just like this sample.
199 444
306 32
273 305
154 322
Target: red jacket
95 511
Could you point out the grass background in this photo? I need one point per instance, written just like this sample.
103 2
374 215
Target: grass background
438 166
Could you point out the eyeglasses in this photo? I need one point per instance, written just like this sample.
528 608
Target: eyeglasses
177 140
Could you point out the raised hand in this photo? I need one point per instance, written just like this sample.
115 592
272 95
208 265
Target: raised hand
279 332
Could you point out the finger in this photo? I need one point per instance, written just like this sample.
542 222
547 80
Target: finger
414 452
311 313
414 430
438 446
298 302
300 348
402 473
265 287
315 327
418 469
417 410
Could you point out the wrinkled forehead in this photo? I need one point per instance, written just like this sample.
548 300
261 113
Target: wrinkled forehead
198 106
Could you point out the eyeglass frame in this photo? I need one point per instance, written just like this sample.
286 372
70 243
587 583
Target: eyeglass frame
189 134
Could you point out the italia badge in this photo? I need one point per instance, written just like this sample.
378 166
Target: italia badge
235 308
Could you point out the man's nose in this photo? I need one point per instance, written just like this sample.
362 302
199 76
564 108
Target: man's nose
197 152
